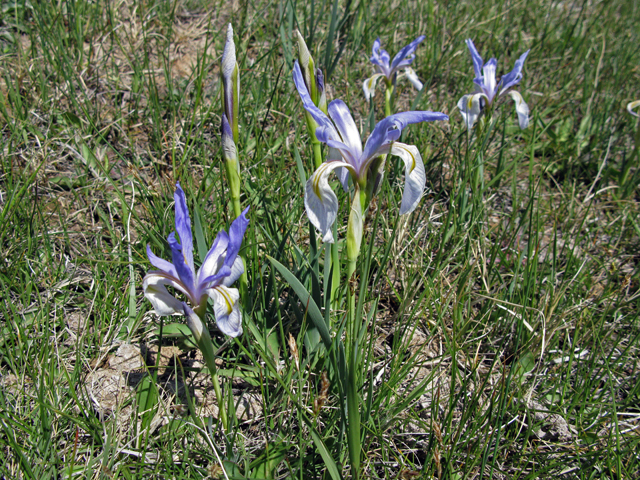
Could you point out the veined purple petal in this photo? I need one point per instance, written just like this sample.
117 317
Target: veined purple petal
160 263
346 154
381 58
390 128
475 57
321 119
236 232
185 273
514 76
183 226
341 116
215 257
215 279
405 56
489 84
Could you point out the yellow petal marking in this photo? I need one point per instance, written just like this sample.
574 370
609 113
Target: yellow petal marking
227 298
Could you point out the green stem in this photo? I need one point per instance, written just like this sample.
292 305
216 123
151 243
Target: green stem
206 347
387 100
233 178
334 260
317 152
354 239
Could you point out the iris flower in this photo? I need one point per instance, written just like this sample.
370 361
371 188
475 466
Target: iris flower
221 267
339 132
488 89
381 58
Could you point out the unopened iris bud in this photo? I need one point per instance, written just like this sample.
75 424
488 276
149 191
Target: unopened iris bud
231 83
307 66
229 150
322 95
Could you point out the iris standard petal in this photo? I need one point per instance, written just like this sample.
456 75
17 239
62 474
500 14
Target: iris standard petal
369 85
160 263
214 259
475 58
389 129
185 273
215 279
346 153
489 84
470 107
155 290
405 56
320 201
514 76
236 232
226 310
183 226
522 109
380 57
341 116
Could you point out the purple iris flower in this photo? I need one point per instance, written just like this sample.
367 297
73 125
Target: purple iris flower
488 89
389 69
339 132
221 267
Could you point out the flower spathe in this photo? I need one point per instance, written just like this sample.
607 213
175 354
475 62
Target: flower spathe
488 89
346 153
220 269
388 69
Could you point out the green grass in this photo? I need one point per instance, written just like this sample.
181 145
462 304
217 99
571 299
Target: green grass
503 333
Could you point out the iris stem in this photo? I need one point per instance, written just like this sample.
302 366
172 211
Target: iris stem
335 272
206 347
233 178
354 239
387 100
317 152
